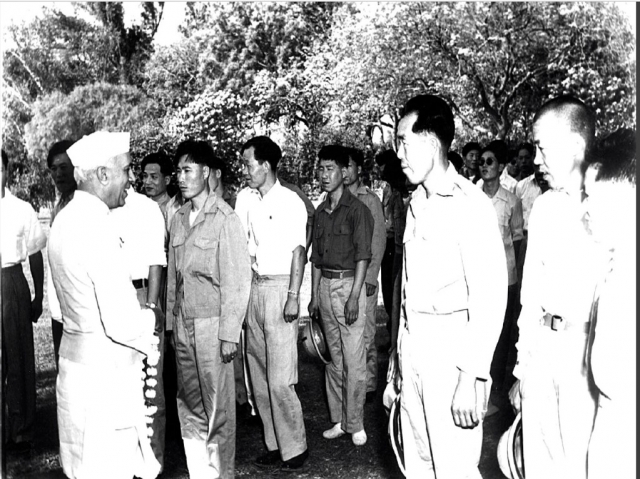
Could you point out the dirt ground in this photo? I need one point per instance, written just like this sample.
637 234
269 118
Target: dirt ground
328 459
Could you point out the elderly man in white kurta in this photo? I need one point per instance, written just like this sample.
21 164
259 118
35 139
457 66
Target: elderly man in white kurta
101 410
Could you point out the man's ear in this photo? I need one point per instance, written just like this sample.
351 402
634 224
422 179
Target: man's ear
218 173
206 171
501 167
167 180
102 173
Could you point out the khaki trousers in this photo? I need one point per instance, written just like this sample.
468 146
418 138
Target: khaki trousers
346 376
558 407
434 447
206 399
370 340
272 355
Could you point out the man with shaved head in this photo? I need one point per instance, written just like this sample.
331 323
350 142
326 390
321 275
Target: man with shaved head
555 393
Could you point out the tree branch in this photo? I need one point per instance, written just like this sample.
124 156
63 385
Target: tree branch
26 67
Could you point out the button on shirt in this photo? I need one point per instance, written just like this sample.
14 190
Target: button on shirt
560 270
509 212
141 226
277 225
527 190
454 263
103 322
343 237
21 234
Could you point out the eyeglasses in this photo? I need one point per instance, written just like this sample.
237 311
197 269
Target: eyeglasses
488 161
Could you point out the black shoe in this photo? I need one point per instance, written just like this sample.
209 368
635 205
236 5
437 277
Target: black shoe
295 464
268 460
370 397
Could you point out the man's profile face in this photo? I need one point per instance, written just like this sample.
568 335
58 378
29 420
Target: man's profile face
331 175
254 173
415 151
351 173
490 169
471 160
555 149
121 177
154 182
62 173
192 177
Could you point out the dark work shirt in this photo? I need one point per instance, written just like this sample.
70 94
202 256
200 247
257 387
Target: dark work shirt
342 238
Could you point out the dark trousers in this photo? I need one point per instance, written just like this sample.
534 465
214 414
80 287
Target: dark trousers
386 275
505 353
18 362
56 333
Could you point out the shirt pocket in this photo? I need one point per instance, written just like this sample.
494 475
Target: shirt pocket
343 238
319 240
435 274
205 252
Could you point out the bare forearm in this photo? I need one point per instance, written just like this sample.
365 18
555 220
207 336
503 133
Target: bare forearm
155 277
297 268
360 274
315 281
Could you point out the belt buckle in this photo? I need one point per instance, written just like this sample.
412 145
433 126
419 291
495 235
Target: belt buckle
558 323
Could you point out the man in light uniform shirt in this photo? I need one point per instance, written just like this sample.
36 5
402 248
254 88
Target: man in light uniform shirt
142 230
277 237
555 392
454 298
21 237
352 180
209 281
611 208
101 409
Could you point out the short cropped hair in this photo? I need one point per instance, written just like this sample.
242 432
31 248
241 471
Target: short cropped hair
526 146
5 159
455 159
199 152
357 156
579 117
264 149
337 153
616 155
500 149
433 115
385 157
58 148
472 145
159 158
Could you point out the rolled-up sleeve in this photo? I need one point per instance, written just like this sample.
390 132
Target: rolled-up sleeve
235 278
362 223
485 269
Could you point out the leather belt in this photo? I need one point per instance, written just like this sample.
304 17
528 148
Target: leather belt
140 283
558 323
347 273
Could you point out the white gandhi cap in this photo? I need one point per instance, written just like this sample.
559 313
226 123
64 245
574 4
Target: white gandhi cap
95 150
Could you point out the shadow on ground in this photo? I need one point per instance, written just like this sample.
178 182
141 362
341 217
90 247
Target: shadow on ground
328 459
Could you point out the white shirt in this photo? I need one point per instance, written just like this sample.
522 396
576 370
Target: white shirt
142 228
277 225
527 190
103 322
560 270
20 233
245 199
509 212
454 263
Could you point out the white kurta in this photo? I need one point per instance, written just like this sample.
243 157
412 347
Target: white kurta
99 391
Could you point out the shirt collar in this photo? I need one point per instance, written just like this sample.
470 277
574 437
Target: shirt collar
345 200
501 194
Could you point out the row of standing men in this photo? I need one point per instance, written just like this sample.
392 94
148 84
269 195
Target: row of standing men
451 312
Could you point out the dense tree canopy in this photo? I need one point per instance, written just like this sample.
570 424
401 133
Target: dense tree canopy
304 73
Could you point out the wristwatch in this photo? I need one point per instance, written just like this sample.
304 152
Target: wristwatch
151 305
